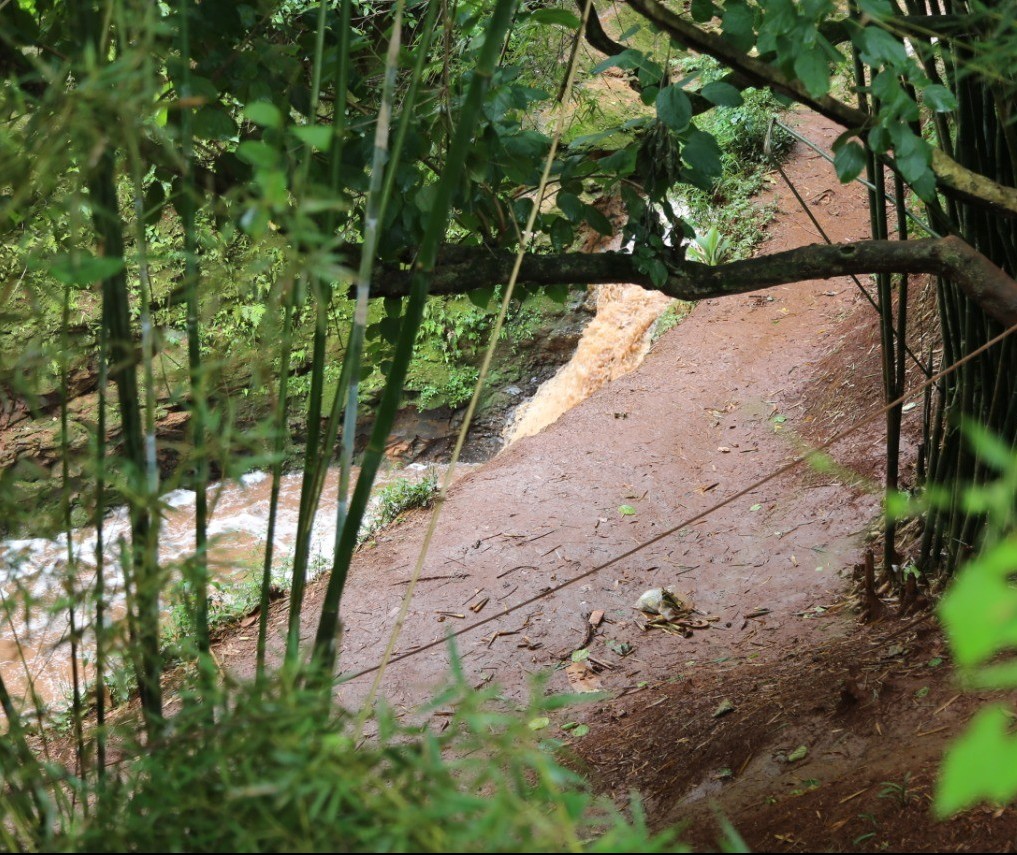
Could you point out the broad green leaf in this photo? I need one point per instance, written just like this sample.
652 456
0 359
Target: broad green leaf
258 154
263 113
879 139
913 155
980 766
561 234
702 154
155 198
979 610
939 98
82 268
316 136
538 723
849 160
629 58
879 48
481 297
703 11
389 328
214 123
674 108
721 93
738 24
599 223
626 510
558 293
561 17
657 271
621 163
989 447
813 70
571 206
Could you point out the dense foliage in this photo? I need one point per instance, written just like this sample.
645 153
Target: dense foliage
198 191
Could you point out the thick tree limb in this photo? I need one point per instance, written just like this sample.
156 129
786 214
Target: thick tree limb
955 179
462 269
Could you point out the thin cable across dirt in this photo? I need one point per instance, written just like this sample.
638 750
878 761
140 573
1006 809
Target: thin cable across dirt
391 660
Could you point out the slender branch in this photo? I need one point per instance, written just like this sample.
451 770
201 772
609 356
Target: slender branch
463 269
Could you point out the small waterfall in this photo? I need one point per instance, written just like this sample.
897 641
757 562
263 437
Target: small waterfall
613 344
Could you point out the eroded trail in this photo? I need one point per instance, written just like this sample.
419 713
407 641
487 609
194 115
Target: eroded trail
716 405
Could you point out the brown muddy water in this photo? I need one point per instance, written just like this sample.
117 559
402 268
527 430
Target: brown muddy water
34 577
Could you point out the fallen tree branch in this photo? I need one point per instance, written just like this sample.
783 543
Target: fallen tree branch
463 269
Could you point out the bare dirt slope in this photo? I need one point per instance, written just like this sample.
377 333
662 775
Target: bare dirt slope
722 400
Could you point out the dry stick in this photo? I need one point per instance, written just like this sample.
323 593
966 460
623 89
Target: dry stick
468 418
690 521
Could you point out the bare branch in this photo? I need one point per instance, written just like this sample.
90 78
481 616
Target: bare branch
462 269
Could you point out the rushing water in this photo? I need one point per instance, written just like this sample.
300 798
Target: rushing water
34 570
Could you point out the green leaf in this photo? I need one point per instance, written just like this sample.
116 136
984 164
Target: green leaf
813 70
393 306
626 510
481 297
674 108
800 753
722 94
629 58
979 610
389 328
849 160
263 113
980 766
755 507
879 48
738 23
561 234
316 136
571 206
561 17
913 155
989 447
657 271
538 723
702 154
879 139
621 163
155 198
259 154
939 98
558 292
82 268
599 223
703 11
214 123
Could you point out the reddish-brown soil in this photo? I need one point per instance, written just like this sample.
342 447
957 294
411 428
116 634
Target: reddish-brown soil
731 395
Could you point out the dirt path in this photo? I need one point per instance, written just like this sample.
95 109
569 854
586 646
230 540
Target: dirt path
721 401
